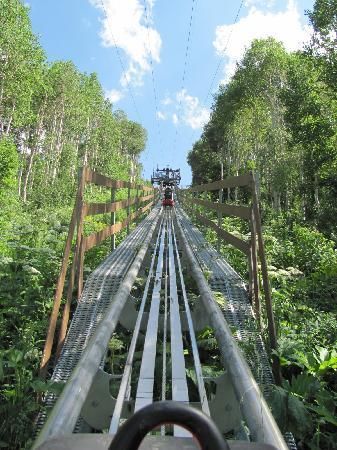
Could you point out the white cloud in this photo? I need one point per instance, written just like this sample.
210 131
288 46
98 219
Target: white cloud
161 115
193 113
175 118
285 26
167 101
265 3
113 95
184 108
125 25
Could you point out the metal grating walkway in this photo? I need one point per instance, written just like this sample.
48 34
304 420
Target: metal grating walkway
99 289
237 309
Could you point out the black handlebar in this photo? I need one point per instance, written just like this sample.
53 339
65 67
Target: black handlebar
132 432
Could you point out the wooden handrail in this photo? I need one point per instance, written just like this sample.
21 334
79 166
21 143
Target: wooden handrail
82 209
252 249
230 182
243 212
92 209
102 180
96 238
228 237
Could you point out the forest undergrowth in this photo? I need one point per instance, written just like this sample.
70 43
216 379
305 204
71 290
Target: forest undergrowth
302 267
277 116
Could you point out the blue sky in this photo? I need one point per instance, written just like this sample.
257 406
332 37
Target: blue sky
156 59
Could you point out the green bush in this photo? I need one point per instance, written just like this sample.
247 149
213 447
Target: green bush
9 164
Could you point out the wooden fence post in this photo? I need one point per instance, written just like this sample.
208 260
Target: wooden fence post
219 220
255 281
113 219
66 309
250 275
128 210
219 212
137 199
266 286
59 287
79 255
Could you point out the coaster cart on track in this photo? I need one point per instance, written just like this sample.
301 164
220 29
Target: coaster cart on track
167 179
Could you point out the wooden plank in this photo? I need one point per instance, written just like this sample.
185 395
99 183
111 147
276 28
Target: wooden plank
102 180
239 181
57 298
228 237
79 253
96 238
228 210
80 267
66 309
256 298
145 188
61 279
145 208
128 211
266 287
92 209
146 198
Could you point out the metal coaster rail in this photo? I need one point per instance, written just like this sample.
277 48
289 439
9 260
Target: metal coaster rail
165 247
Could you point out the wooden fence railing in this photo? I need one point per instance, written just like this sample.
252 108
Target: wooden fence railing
253 248
141 202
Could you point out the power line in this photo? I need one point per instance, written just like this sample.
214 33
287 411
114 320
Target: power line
185 67
152 76
221 59
122 64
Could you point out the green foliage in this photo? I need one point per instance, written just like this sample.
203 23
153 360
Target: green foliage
324 21
277 115
8 190
307 408
8 165
59 120
302 265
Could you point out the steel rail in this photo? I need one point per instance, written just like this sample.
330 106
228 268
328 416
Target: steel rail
254 408
146 379
129 361
66 411
164 375
102 274
238 311
194 345
179 381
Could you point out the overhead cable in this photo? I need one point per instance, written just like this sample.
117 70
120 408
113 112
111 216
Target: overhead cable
152 76
221 60
185 67
122 65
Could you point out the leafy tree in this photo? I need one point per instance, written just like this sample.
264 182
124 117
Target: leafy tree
324 21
